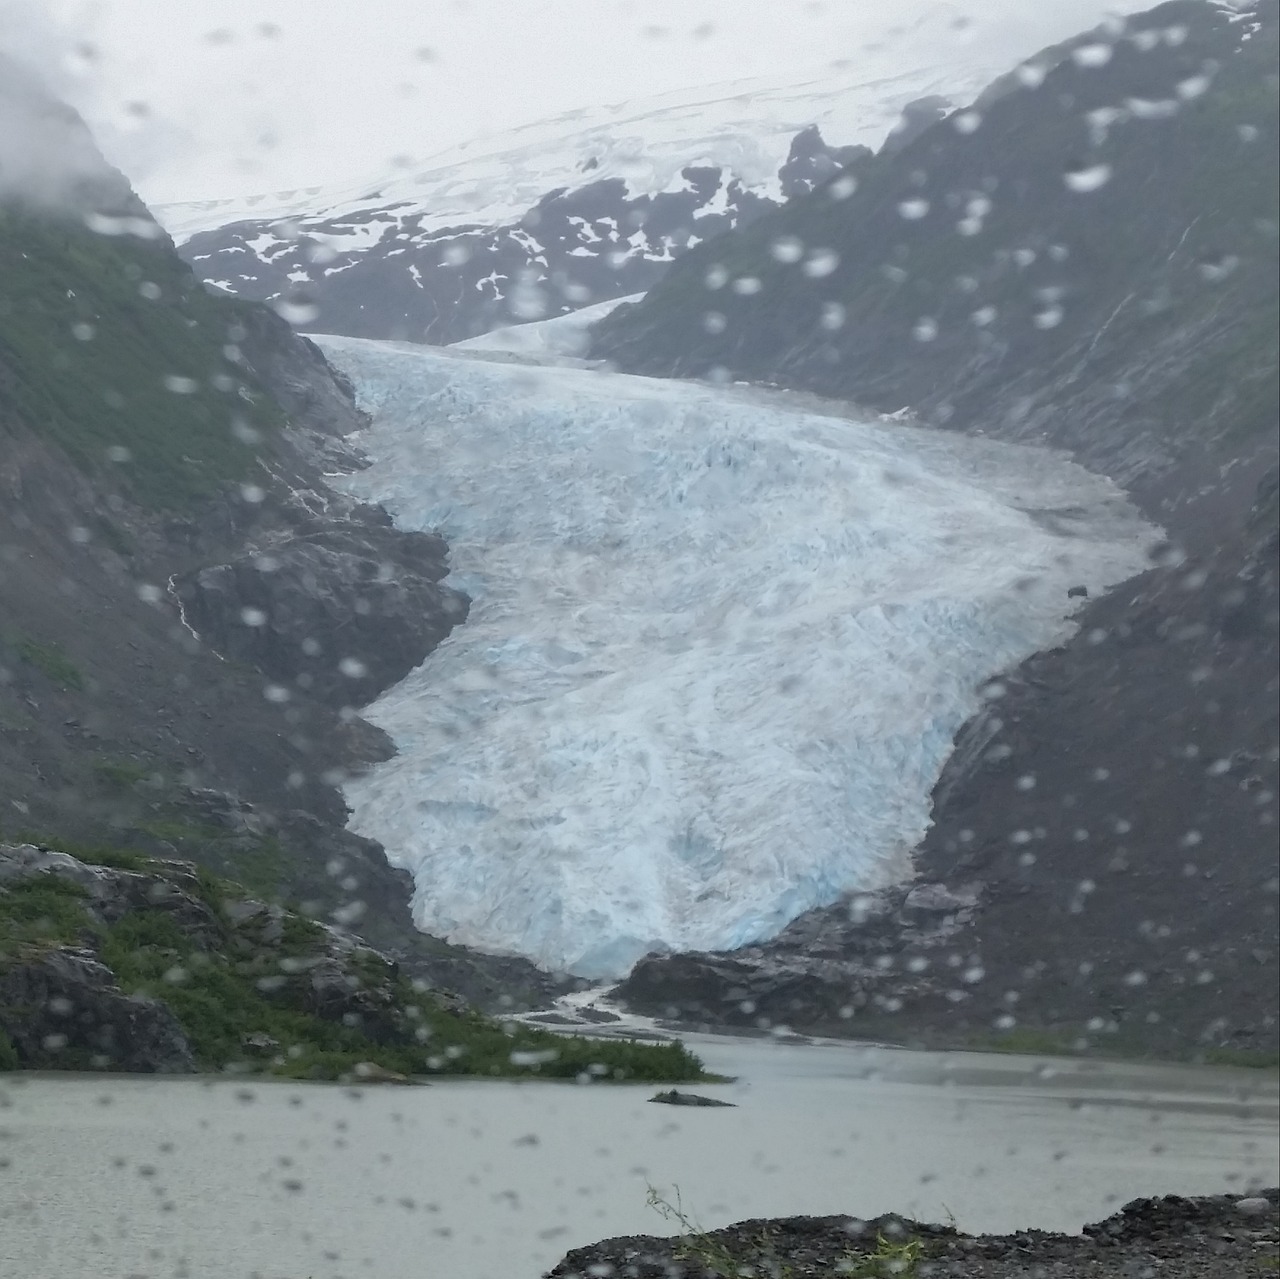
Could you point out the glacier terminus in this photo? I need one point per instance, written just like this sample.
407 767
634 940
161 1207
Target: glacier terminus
720 644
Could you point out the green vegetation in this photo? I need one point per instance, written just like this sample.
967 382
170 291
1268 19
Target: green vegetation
245 995
93 854
262 865
724 1258
112 350
1248 1058
49 659
900 1258
120 772
42 908
715 1255
1027 1041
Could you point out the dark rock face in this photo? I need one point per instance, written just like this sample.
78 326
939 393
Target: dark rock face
440 285
1199 1238
64 1005
811 162
827 972
341 607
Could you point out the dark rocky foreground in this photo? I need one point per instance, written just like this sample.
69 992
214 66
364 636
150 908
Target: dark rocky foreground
1214 1237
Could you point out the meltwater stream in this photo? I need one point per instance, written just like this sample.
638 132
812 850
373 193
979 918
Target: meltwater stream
719 648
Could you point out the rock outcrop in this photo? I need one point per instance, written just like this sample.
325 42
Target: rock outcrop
64 1006
341 605
1175 1237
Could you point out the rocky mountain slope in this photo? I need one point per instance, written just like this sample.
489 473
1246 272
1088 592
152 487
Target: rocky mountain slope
544 219
1088 261
187 611
122 962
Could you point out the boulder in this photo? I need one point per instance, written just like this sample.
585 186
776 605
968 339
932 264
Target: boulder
673 1097
62 1007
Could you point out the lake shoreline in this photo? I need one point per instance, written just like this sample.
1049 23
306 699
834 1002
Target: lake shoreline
489 1177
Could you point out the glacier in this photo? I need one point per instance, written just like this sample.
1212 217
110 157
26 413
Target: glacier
721 642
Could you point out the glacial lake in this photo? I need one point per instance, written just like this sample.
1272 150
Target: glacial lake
187 1178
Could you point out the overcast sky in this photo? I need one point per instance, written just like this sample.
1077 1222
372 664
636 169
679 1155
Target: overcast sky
203 98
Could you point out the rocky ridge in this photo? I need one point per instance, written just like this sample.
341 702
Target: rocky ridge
1177 1238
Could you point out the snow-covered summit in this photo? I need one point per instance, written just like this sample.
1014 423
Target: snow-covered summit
745 126
544 219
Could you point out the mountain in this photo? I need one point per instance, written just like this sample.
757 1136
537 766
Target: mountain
552 216
1087 260
188 611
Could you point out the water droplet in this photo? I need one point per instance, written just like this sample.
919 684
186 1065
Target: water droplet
295 312
787 249
1193 87
1087 178
1092 55
821 262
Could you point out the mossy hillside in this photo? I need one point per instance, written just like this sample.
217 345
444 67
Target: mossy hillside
246 1000
110 349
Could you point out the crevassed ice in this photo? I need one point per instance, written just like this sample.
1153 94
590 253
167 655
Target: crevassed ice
718 651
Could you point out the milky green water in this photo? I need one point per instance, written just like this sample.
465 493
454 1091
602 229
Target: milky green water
122 1177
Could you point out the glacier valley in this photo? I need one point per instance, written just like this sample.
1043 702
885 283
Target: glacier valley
721 642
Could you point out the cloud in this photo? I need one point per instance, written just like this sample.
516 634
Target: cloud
47 155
